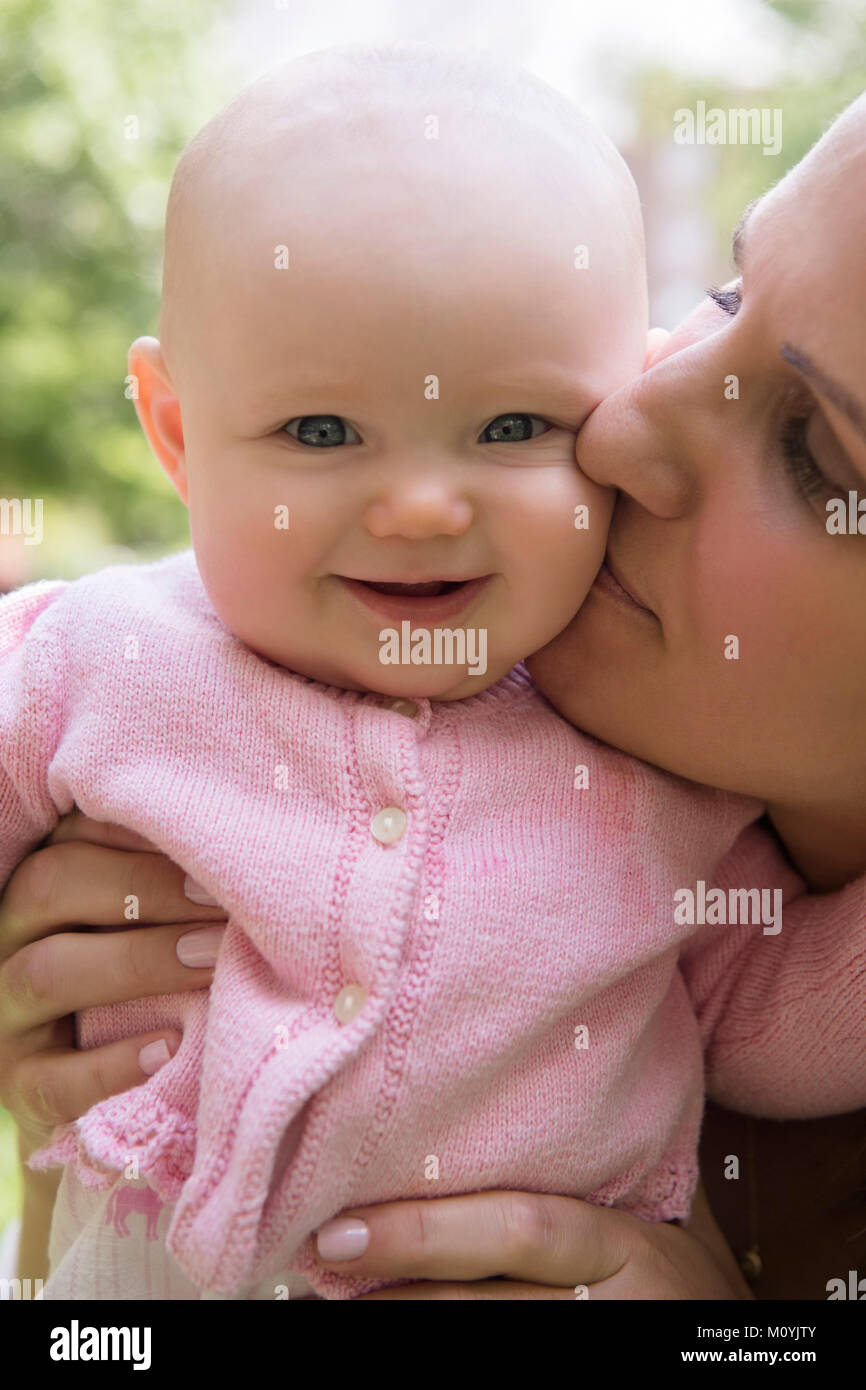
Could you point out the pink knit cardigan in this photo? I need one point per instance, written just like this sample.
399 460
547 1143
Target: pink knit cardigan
533 1018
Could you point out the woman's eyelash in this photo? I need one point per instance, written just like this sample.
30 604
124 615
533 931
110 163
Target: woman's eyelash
799 460
729 300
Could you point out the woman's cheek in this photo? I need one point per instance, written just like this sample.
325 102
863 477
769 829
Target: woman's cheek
556 669
749 615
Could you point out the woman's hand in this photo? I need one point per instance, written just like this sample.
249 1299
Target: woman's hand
48 969
528 1245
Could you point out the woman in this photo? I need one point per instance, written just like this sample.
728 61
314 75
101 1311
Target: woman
729 646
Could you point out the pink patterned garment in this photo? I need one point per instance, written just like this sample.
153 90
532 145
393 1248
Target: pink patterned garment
486 990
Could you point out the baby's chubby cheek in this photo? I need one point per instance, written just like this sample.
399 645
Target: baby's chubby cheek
593 513
252 570
564 561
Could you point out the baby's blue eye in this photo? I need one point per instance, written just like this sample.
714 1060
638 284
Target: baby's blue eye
321 431
510 429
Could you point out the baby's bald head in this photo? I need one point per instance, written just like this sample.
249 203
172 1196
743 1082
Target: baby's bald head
406 154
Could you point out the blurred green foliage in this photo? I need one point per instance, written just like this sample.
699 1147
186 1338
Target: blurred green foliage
823 48
97 102
10 1177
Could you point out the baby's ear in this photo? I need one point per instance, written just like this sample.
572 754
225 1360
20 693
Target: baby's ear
158 409
655 341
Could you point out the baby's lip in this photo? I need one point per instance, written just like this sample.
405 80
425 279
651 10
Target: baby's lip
423 600
416 579
418 588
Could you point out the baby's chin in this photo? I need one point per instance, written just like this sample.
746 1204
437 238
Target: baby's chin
417 683
399 681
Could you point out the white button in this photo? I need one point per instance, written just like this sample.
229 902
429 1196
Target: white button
401 706
389 825
349 1002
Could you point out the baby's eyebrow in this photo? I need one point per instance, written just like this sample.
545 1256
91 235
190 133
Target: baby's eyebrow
552 389
299 384
315 396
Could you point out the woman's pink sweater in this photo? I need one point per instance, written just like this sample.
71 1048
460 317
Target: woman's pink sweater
528 1013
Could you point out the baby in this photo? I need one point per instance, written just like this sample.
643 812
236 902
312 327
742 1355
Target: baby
396 282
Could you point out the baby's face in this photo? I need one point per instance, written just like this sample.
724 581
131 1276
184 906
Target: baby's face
398 405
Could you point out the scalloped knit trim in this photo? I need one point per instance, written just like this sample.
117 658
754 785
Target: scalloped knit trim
665 1195
117 1132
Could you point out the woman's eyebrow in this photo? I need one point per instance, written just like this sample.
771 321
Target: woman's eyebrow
834 391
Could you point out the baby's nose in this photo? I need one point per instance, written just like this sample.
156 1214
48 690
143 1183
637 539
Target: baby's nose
419 510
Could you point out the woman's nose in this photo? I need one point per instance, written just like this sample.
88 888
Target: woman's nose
418 507
648 438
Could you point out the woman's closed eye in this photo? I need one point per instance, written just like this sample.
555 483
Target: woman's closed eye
809 478
799 460
322 431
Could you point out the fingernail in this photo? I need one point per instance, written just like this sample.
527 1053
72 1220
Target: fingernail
343 1239
154 1056
201 947
197 894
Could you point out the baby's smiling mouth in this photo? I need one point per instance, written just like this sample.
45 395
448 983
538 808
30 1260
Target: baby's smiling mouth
423 599
431 588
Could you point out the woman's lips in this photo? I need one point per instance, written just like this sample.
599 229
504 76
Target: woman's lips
418 608
608 582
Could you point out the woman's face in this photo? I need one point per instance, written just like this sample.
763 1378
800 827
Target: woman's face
745 664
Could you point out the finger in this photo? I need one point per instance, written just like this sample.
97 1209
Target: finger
669 1263
69 971
482 1289
703 1226
53 1088
82 884
77 826
537 1237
